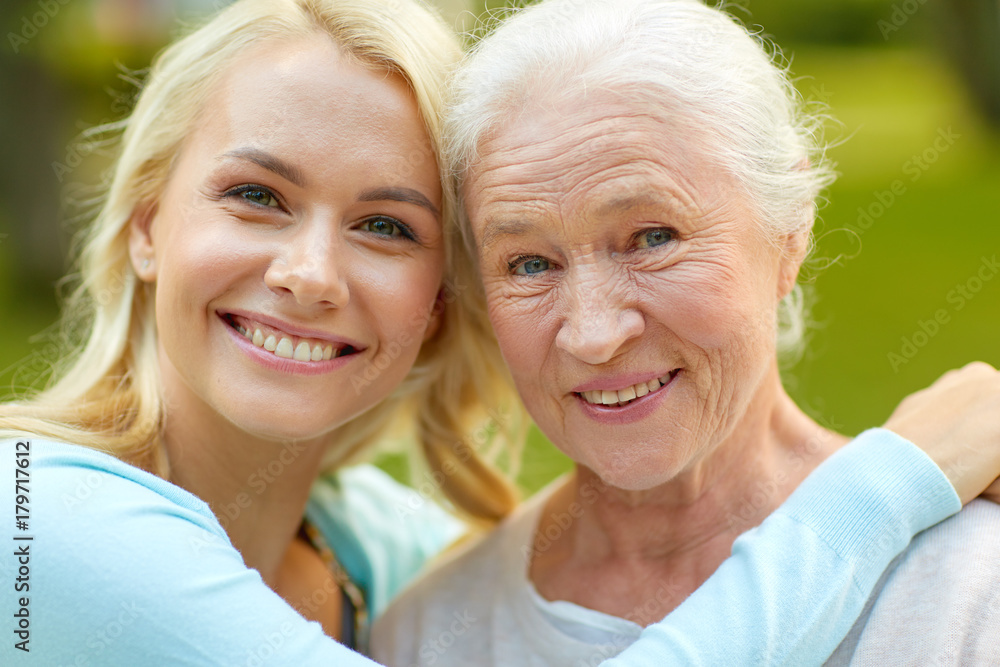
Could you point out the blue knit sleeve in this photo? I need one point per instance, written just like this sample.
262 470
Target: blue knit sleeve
793 586
123 568
383 532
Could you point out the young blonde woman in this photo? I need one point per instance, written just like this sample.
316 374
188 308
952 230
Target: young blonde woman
264 293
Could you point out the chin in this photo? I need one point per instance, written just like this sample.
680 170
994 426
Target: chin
280 427
633 471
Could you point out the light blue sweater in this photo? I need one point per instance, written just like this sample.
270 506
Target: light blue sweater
124 568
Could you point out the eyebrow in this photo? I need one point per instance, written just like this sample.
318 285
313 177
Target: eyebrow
495 231
270 162
627 202
405 195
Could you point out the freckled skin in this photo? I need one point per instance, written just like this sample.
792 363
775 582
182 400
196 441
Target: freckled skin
580 191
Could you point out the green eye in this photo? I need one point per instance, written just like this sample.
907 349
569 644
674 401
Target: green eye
382 227
530 266
655 237
387 227
260 197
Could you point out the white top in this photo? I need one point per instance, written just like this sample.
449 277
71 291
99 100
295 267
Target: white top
939 603
480 608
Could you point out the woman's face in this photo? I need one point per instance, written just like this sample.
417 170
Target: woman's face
297 249
633 300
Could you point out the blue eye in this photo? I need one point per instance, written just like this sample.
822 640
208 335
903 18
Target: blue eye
387 227
655 237
527 266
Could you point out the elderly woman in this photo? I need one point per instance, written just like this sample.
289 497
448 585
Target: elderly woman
639 185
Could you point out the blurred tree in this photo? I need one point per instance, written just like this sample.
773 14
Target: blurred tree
971 32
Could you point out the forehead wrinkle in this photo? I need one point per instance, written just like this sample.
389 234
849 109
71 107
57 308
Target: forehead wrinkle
495 230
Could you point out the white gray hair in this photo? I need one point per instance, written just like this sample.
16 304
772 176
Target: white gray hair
696 63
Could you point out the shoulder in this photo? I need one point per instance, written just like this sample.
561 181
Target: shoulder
969 540
382 532
939 603
84 486
114 547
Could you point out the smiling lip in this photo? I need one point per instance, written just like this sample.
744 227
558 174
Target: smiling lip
292 329
630 410
286 348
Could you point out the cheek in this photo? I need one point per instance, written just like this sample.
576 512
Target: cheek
708 306
524 329
402 292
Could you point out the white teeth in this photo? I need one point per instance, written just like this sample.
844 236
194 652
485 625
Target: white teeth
302 352
622 396
284 349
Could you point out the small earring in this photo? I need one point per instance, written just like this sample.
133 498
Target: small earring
145 264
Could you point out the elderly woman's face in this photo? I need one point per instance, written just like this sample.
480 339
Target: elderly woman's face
632 296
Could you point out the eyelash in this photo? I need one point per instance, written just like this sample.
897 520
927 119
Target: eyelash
520 260
403 228
241 190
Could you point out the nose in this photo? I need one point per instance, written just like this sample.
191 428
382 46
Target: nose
310 269
599 316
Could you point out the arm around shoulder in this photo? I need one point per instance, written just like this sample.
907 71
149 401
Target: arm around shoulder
794 586
128 569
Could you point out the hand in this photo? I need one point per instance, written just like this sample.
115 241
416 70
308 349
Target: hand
956 421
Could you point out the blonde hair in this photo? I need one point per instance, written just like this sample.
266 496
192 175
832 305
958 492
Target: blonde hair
107 395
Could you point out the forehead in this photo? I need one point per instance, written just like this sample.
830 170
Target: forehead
592 157
308 98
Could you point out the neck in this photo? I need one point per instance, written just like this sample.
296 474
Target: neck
257 487
671 538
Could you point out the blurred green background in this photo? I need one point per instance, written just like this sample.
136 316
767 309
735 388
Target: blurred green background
909 233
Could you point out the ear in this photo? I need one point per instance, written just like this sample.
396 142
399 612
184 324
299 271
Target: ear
141 249
794 248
